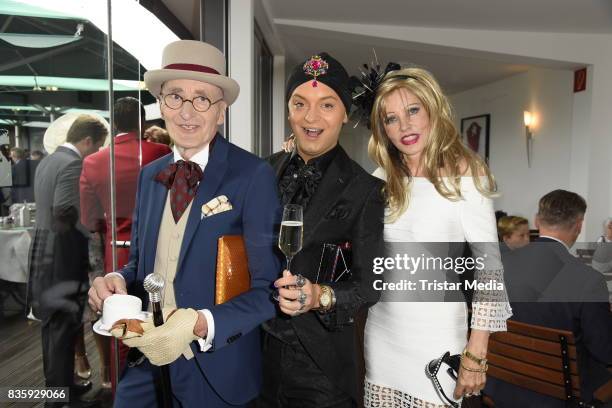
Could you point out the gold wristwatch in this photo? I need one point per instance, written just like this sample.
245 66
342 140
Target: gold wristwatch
327 298
480 361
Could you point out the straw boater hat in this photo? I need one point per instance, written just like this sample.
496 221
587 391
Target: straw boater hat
187 59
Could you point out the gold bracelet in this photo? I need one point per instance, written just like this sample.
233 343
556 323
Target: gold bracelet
327 291
476 370
479 361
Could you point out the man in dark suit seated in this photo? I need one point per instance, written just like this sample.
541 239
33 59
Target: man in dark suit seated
549 287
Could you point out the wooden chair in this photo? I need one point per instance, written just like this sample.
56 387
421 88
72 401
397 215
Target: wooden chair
585 255
539 359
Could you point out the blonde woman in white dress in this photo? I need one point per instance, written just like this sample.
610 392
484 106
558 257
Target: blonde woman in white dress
437 191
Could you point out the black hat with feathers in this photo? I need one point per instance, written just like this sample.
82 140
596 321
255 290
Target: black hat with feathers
364 89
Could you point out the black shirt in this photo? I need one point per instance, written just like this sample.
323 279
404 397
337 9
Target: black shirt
297 185
300 180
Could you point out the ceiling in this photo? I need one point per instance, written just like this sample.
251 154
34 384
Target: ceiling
559 16
457 71
187 12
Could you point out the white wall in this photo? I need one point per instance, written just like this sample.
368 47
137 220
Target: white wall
273 41
243 15
355 142
581 126
279 107
548 94
241 44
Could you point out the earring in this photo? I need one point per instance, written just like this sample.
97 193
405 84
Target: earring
289 144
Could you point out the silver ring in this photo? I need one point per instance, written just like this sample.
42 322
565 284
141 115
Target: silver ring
302 298
297 312
468 394
300 281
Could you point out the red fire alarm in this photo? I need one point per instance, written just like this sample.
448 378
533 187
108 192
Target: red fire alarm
580 79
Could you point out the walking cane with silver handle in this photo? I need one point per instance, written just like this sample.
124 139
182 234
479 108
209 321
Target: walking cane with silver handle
154 284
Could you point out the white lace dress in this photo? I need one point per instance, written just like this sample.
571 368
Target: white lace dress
402 337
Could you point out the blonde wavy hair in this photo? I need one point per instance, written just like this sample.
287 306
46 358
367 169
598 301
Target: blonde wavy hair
510 223
445 158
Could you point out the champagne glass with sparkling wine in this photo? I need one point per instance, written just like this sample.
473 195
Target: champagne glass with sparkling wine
291 233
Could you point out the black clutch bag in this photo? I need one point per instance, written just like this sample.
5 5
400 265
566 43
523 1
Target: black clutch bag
450 364
335 263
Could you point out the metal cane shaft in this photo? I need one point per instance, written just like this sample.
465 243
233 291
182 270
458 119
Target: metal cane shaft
158 320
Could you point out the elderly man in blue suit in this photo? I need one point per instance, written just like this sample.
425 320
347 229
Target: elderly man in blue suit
205 189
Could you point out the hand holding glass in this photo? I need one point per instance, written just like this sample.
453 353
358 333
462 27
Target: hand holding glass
291 233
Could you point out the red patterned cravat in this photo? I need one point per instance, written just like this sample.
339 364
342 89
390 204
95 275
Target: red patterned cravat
182 179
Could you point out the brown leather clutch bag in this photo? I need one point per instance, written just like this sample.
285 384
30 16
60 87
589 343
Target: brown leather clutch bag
233 277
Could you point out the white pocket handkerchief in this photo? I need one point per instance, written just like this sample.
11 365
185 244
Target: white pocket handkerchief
215 206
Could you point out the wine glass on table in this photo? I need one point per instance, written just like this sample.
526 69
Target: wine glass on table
291 234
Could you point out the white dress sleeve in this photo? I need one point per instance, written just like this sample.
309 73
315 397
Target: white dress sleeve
490 306
380 173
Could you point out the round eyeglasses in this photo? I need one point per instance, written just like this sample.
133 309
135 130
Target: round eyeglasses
199 103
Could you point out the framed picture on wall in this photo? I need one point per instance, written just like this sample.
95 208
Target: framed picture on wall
475 134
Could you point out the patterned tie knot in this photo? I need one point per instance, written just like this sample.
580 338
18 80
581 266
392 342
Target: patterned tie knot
182 179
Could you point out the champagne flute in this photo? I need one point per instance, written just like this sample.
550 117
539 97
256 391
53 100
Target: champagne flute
291 234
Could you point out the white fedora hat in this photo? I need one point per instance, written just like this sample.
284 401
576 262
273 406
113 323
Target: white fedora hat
188 59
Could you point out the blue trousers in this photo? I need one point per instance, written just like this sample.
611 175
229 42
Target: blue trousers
140 386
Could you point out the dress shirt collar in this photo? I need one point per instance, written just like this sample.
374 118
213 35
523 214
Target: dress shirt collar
556 239
321 162
201 157
73 148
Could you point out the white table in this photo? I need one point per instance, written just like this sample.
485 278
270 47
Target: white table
14 250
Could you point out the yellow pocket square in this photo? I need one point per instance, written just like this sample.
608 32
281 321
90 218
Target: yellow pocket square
216 205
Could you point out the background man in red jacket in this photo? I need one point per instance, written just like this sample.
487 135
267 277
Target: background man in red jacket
131 154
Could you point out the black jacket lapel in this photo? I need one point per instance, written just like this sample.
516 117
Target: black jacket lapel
214 174
279 163
334 181
332 185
